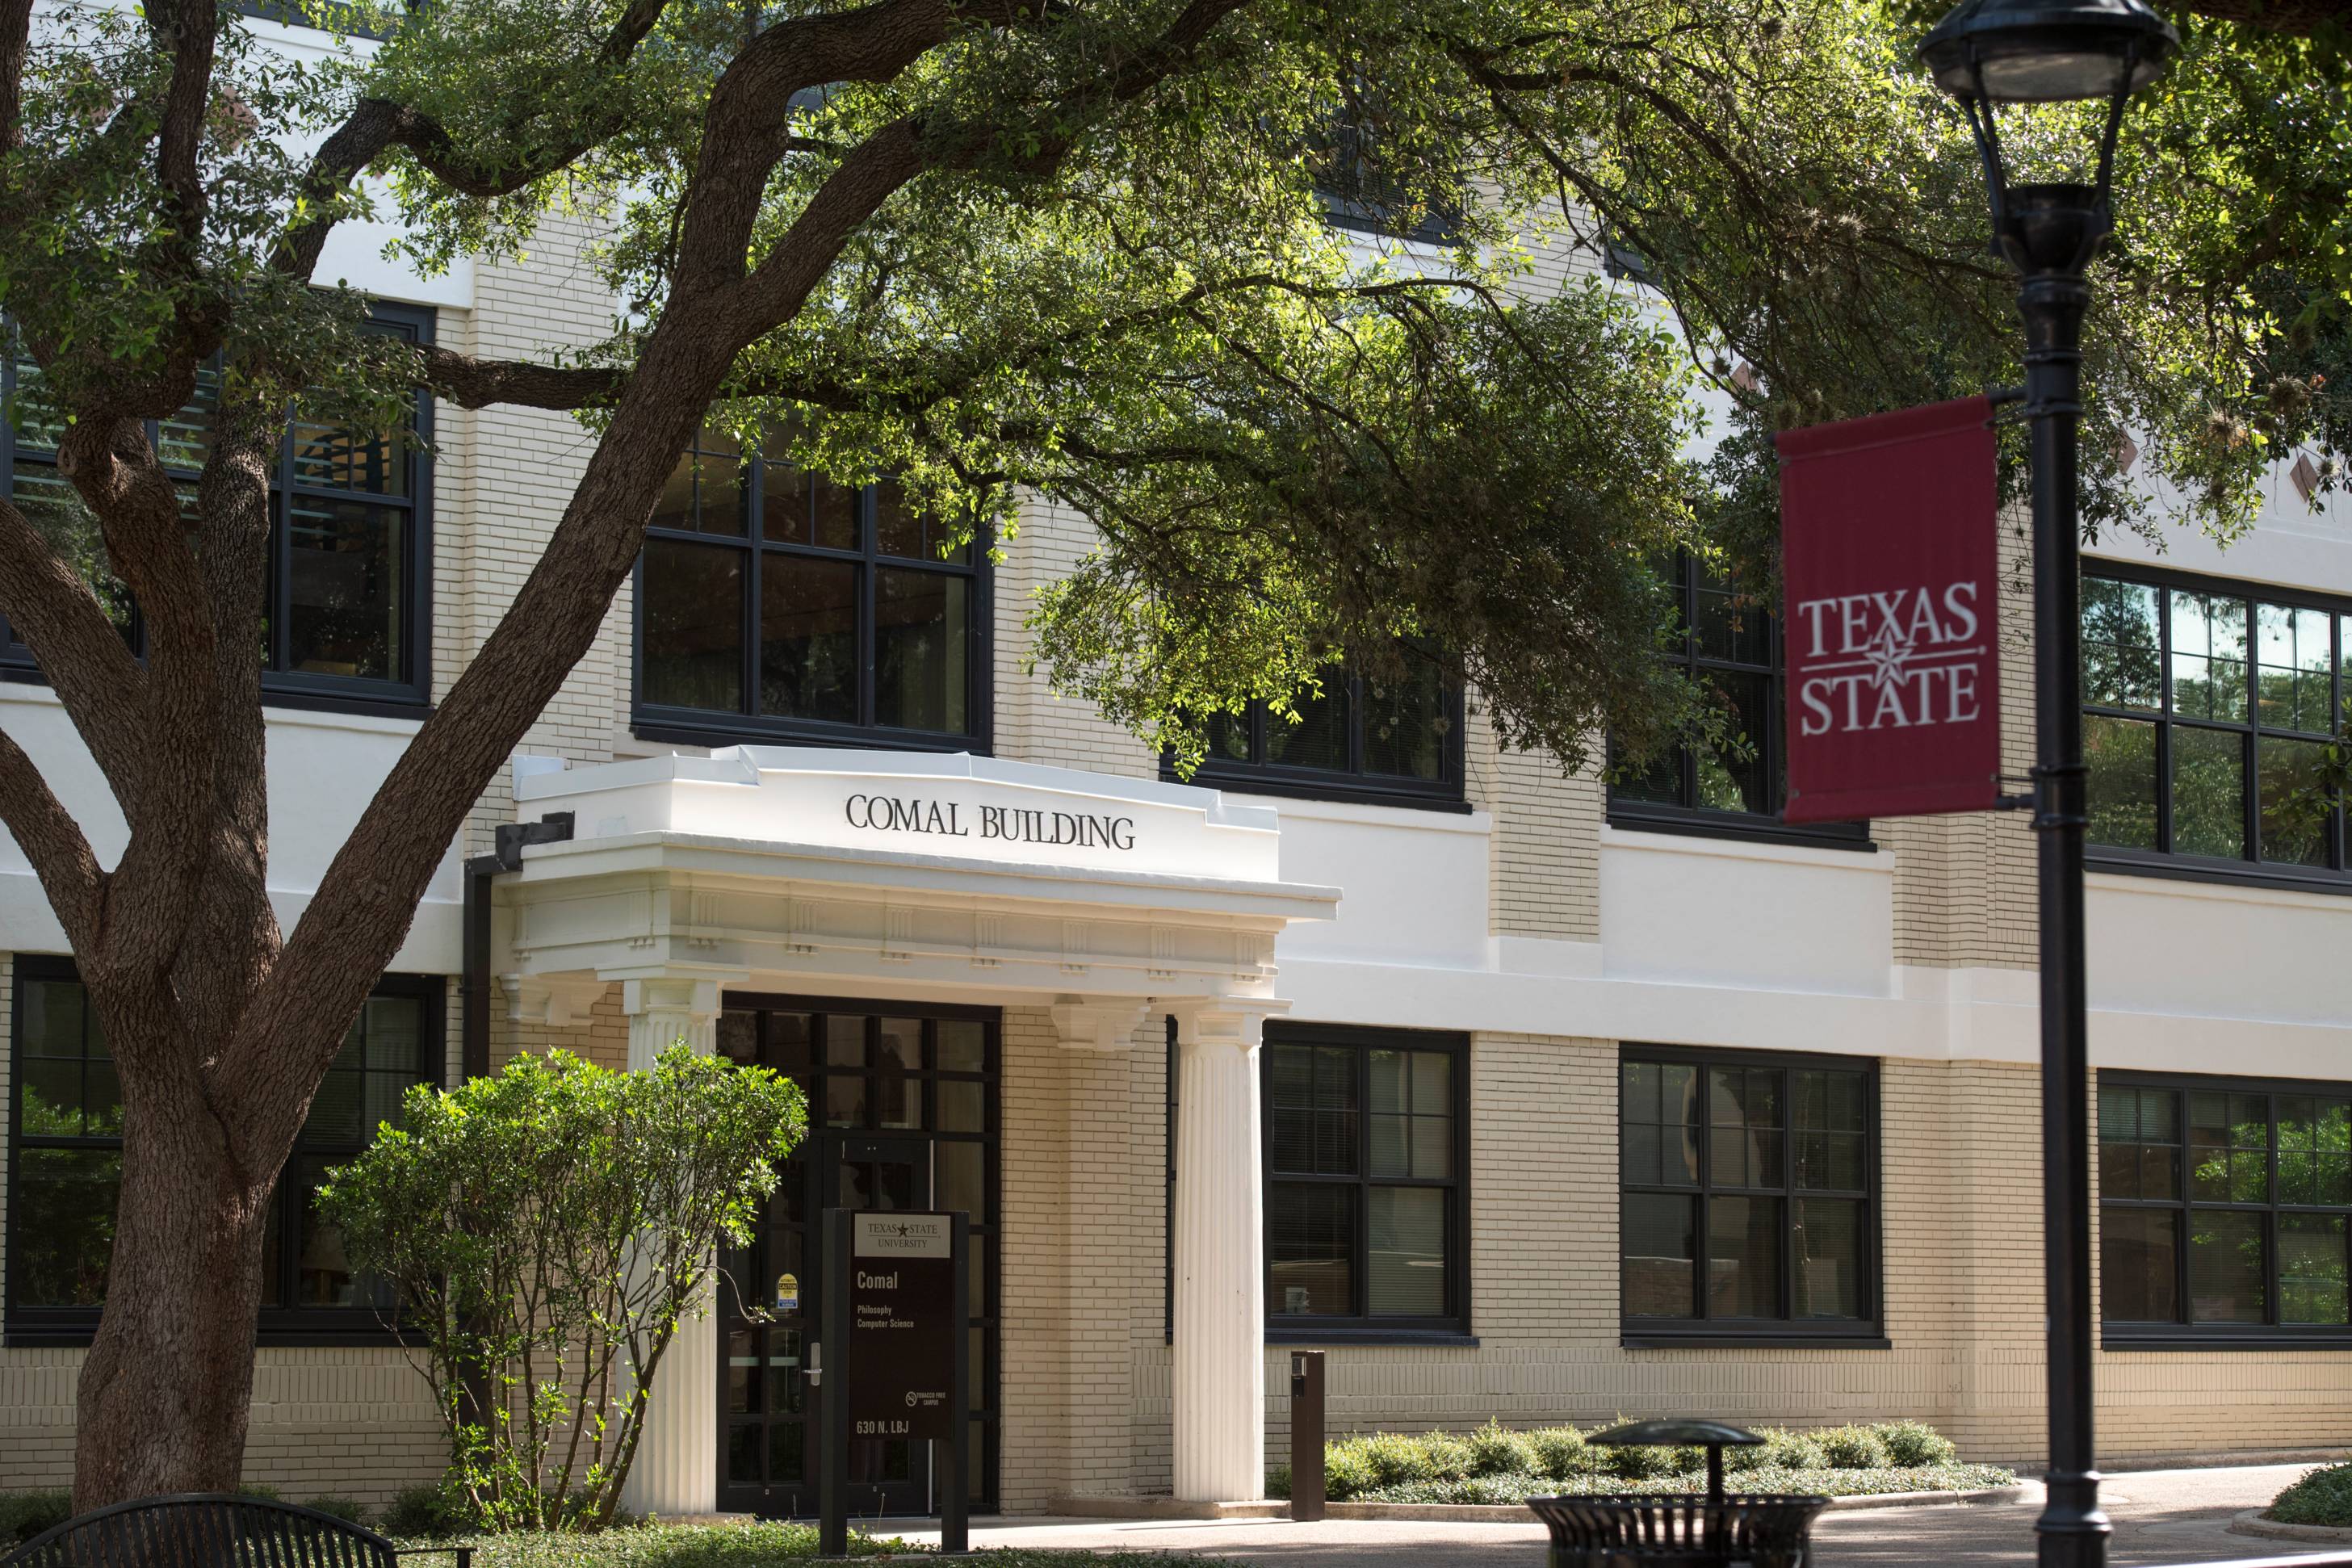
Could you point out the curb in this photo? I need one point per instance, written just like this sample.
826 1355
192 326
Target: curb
1517 1513
2251 1522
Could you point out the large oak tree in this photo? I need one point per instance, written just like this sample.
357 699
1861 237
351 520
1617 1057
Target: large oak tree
995 247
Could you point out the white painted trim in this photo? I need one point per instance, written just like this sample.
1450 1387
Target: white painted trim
35 695
1881 863
1394 818
2219 892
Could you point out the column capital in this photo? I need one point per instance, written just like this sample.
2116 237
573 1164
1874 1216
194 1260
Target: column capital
1224 1020
696 995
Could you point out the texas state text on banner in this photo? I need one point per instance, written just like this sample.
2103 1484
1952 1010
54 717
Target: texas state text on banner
1890 582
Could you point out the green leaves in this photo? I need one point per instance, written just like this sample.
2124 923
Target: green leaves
546 1230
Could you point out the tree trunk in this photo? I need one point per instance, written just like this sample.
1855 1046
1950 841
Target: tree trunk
173 1352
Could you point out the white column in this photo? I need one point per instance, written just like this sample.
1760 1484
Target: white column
676 1469
1219 1349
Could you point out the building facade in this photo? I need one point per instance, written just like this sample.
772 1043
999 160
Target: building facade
1525 1097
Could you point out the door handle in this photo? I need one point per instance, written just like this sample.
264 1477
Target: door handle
814 1371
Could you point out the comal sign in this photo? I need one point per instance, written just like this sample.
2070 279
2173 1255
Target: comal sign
1890 574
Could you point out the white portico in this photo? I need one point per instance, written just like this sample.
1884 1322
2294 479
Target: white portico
946 880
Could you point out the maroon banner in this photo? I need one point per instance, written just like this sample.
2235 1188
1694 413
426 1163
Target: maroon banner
1890 578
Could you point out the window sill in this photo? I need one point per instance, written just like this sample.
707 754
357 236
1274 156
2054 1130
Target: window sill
1738 829
1349 791
61 1337
1340 1339
2125 863
1763 1340
2161 1340
671 730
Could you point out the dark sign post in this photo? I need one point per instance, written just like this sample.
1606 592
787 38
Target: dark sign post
896 1303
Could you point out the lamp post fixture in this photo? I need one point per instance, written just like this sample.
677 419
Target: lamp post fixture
1986 53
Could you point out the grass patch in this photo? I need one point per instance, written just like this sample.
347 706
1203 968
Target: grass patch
2323 1497
757 1545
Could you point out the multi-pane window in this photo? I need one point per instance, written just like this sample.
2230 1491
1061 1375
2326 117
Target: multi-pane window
2206 715
1356 179
344 617
1359 738
1731 647
2222 1207
1365 1145
773 601
67 1141
1747 1193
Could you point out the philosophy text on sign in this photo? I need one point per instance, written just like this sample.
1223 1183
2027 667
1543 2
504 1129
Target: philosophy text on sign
902 1329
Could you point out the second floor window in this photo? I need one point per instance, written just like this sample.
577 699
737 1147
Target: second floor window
2207 710
345 619
773 602
1384 741
1731 647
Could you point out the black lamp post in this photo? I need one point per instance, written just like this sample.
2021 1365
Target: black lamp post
1987 53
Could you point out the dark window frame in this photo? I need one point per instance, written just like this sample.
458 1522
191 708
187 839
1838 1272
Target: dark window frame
1866 1331
675 724
1349 785
2248 869
409 694
2183 1332
23 1325
1344 142
1684 814
1451 1326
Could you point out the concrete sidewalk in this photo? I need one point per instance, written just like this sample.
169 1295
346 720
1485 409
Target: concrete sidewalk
2161 1516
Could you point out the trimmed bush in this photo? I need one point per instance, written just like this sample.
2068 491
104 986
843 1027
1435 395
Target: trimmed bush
1787 1450
1446 1458
23 1515
1853 1449
1346 1471
1496 1450
1639 1464
1561 1452
2323 1497
349 1509
1910 1442
428 1513
266 1494
1393 1459
1277 1481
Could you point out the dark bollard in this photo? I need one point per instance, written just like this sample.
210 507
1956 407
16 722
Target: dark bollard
1305 1436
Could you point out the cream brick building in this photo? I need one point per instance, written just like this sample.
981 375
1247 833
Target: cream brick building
1407 988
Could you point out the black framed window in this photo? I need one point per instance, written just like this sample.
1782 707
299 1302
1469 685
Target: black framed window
1748 1196
2208 709
65 1159
1367 1150
347 622
1733 648
1357 183
773 602
1379 742
2223 1207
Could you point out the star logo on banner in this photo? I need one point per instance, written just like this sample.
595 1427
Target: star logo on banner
1887 654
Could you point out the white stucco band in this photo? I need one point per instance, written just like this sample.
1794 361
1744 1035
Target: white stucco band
958 878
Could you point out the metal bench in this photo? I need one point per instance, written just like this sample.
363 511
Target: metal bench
214 1530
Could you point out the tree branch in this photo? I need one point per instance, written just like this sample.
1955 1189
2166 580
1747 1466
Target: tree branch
16 36
53 842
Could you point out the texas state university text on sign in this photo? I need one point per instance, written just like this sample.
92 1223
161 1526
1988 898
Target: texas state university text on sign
902 1327
1890 581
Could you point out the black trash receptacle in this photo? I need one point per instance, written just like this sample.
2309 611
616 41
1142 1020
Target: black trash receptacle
1681 1530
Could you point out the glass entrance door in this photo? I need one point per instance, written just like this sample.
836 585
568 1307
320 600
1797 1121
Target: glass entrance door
902 1111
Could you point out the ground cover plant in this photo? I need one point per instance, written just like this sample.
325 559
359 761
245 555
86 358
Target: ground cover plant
1495 1465
2322 1497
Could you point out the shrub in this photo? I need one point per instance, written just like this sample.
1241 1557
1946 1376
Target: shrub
1640 1464
23 1515
1277 1481
1562 1452
2323 1497
1496 1450
1392 1459
428 1513
1346 1471
261 1493
1787 1450
1914 1443
1853 1449
1446 1458
348 1508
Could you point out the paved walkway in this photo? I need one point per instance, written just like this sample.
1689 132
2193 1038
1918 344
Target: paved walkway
2161 1516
